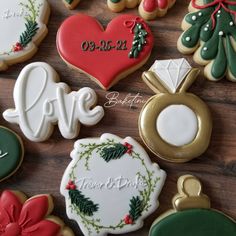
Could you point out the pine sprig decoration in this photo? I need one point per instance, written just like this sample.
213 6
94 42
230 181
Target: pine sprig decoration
114 152
136 208
85 205
29 33
139 40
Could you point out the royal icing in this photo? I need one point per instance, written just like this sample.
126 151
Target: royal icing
192 215
28 218
11 152
23 24
177 125
125 45
171 72
213 24
110 173
41 102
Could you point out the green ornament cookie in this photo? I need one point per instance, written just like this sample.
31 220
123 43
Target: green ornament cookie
11 152
210 33
192 215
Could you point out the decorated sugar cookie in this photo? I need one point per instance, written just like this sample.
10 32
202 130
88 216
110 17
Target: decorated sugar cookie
110 186
109 55
192 215
148 9
23 27
71 4
209 33
11 152
41 102
175 125
29 217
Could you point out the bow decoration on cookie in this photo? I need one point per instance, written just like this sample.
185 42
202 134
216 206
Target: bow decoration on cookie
220 3
132 23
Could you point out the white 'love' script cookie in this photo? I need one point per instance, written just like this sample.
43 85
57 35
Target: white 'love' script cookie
41 102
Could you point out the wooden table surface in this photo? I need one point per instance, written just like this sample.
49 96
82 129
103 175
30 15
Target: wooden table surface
45 163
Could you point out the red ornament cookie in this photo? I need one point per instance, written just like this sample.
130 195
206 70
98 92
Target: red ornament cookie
19 216
109 55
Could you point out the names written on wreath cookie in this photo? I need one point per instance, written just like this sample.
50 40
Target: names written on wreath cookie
104 45
2 154
119 183
7 14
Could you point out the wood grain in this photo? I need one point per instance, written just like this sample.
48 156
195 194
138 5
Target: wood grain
45 163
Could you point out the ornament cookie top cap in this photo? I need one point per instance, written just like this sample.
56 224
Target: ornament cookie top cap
23 27
175 125
41 101
210 33
105 55
110 173
192 214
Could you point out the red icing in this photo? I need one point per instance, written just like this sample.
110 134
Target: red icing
105 66
152 5
17 219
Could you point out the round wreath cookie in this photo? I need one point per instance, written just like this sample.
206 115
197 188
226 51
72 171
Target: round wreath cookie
41 102
11 152
192 215
110 174
148 9
71 4
210 33
24 25
174 125
125 46
29 217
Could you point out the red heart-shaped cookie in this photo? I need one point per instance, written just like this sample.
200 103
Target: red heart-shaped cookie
105 55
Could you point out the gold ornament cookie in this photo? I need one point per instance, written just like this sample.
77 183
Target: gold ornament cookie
174 125
192 215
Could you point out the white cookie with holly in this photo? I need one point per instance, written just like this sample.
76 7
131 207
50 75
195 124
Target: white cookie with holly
110 174
23 27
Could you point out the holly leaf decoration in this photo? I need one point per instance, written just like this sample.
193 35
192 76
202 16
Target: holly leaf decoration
136 208
29 33
114 152
139 41
85 205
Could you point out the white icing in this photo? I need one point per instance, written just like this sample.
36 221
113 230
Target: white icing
188 39
177 125
12 25
171 72
194 18
205 49
41 102
111 185
221 33
3 154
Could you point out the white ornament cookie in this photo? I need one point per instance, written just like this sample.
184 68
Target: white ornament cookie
41 102
110 174
23 27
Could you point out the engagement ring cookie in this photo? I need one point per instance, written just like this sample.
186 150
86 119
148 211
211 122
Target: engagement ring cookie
192 215
111 185
71 4
109 55
210 33
175 125
11 153
148 9
23 27
29 217
42 102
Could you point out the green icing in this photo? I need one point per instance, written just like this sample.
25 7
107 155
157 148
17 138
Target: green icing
10 152
115 1
195 222
213 47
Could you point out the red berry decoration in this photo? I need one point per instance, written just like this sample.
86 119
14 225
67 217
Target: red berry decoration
71 185
17 47
128 220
